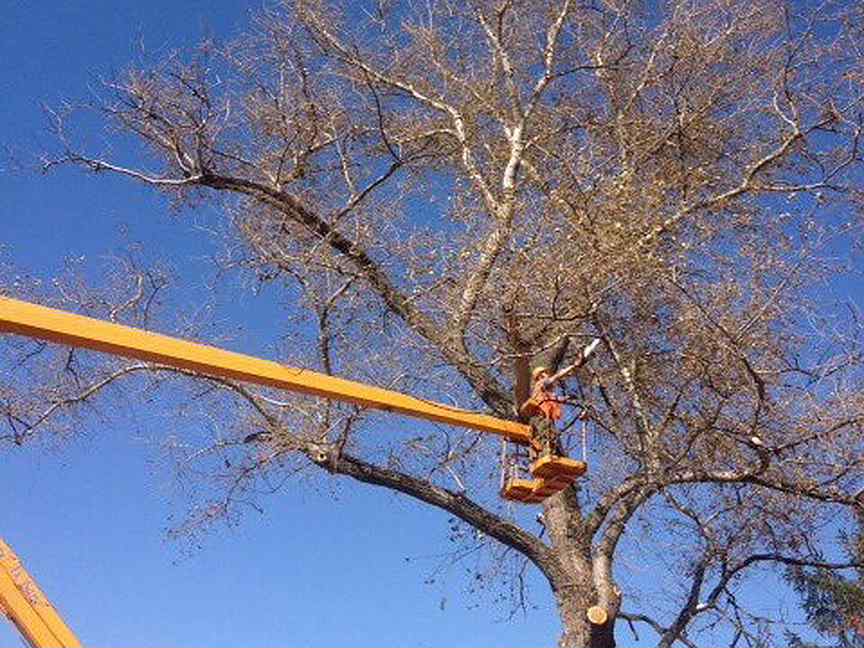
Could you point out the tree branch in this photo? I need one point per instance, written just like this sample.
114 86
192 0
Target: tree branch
456 503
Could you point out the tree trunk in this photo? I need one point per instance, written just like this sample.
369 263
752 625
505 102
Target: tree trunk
579 580
578 632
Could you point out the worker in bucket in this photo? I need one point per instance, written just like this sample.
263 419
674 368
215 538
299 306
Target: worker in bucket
545 411
544 407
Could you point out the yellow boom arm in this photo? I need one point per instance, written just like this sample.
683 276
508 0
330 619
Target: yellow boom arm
27 607
86 332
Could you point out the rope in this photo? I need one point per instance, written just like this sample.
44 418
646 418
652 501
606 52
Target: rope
504 463
584 441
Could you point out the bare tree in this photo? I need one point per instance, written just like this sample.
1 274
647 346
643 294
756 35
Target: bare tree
447 191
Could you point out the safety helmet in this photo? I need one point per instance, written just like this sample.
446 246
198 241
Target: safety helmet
537 371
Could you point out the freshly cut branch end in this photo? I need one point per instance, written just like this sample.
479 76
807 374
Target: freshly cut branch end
597 615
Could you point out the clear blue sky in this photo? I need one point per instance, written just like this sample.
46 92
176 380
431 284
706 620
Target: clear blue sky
89 518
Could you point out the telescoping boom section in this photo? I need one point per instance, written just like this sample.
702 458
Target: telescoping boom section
26 606
59 326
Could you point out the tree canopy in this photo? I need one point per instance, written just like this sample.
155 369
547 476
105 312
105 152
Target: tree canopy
449 193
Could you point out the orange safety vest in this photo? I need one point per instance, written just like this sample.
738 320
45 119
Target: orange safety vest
547 401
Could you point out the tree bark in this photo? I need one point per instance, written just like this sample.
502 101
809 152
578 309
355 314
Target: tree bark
578 631
580 580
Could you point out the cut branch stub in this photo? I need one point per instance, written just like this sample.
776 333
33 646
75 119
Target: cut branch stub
597 615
